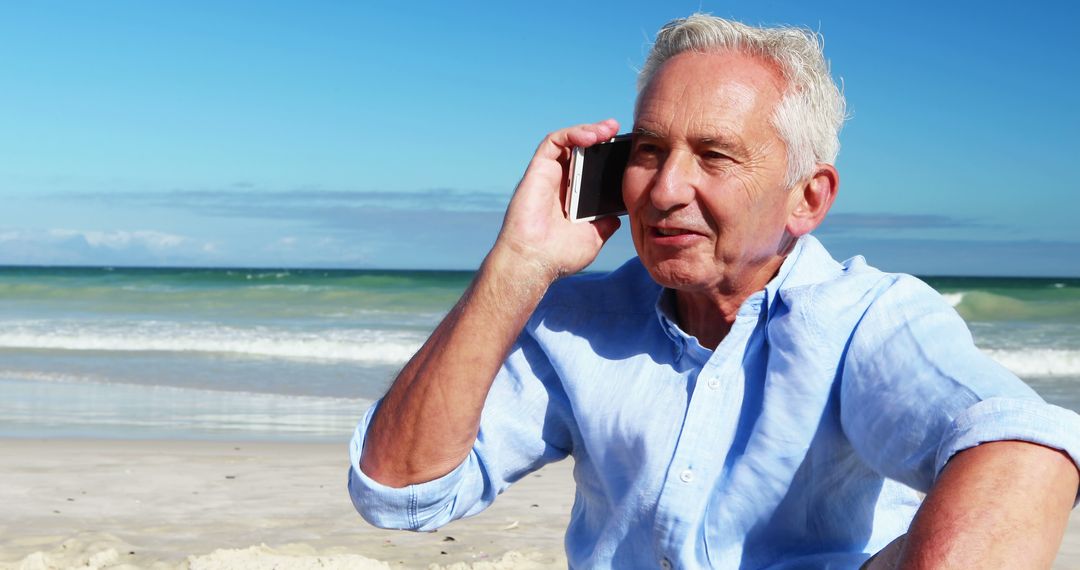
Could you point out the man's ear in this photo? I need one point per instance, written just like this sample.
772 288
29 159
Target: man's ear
811 200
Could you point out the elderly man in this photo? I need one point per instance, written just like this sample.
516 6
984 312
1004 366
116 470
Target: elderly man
732 397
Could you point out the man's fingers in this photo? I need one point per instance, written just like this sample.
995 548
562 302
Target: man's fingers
591 134
556 143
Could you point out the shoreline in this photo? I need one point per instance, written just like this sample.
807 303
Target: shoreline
205 504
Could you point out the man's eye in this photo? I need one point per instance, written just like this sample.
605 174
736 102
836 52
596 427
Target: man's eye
645 154
712 155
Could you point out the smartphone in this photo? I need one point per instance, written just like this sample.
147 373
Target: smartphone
596 173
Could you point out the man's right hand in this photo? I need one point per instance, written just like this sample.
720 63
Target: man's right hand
535 229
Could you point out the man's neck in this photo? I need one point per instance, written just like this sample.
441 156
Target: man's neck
709 315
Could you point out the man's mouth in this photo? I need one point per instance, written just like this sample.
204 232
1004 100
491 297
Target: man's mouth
667 232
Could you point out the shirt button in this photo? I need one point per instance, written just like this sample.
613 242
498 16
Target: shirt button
714 383
686 476
665 564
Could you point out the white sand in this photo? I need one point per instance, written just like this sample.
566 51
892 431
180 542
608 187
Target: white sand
210 505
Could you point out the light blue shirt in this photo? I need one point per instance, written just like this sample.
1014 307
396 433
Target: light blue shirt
802 441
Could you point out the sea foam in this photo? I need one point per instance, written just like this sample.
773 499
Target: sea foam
953 299
352 345
1039 362
363 346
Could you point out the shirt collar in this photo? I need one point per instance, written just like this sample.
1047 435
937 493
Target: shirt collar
757 303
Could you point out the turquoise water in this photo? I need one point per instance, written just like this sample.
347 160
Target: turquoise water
207 352
299 354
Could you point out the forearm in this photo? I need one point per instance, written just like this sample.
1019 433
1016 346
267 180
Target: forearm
997 505
428 421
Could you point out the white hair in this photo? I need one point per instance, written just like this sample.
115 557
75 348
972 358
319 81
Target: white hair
811 112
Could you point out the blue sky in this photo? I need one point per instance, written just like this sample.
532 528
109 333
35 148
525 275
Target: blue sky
384 134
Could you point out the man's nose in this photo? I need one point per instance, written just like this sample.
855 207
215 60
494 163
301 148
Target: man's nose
672 187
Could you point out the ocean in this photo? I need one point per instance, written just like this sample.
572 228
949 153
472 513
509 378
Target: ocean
300 354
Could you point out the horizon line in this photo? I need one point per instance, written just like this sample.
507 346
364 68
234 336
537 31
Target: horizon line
7 266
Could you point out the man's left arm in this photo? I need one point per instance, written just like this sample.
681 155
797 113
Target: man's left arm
922 405
1001 504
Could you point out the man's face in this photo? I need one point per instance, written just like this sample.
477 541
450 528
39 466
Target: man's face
705 185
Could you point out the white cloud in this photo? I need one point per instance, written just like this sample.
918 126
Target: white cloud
77 247
121 239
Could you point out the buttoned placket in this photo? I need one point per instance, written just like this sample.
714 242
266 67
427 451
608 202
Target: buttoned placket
709 425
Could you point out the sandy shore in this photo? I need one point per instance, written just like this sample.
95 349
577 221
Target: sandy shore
208 505
134 504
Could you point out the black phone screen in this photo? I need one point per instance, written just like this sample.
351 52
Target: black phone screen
601 178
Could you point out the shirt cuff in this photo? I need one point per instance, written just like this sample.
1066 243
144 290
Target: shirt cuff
423 506
1001 419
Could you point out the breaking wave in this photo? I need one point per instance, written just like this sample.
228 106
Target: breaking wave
1038 362
352 345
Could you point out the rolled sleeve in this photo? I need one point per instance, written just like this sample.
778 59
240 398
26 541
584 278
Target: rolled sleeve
917 390
423 506
524 425
1002 419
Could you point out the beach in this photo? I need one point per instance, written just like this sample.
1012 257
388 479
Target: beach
100 504
212 504
199 418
